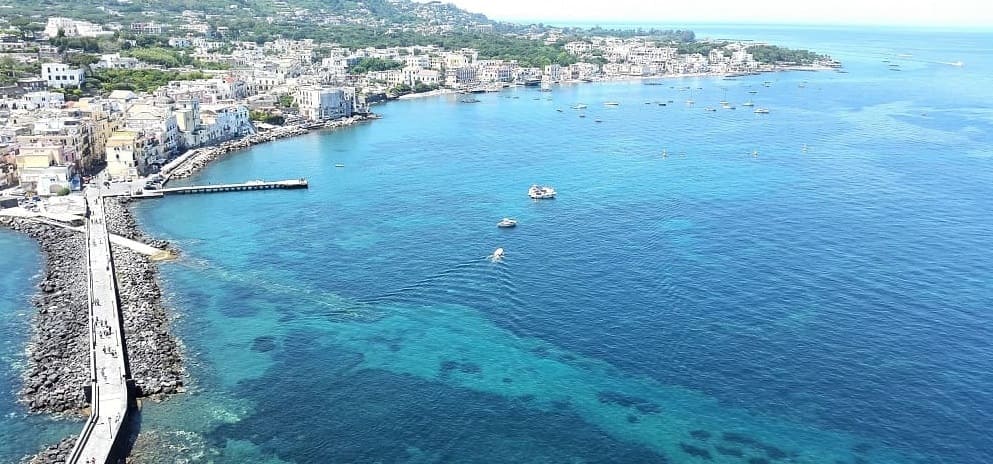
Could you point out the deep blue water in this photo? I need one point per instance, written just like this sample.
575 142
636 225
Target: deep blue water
827 304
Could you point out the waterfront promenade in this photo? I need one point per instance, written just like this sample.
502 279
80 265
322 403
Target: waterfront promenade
110 396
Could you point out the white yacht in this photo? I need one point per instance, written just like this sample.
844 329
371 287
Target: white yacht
507 223
541 192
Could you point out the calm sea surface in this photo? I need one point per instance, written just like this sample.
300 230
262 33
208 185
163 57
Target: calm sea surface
812 285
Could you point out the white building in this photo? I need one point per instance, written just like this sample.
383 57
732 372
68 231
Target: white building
33 101
73 28
461 76
180 42
417 61
160 126
45 181
224 122
116 61
60 75
319 103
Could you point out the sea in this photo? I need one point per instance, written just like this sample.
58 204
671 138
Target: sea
811 285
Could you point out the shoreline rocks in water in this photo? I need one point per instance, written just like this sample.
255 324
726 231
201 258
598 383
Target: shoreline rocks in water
203 156
53 454
154 353
57 358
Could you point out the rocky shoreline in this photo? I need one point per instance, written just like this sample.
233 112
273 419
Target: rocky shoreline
57 358
199 158
155 355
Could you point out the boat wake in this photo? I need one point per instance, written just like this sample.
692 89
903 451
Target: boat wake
466 283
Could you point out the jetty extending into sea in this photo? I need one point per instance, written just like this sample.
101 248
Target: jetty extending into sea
110 388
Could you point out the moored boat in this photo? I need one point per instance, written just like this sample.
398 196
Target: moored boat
541 192
507 223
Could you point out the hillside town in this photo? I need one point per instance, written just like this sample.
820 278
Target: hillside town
53 135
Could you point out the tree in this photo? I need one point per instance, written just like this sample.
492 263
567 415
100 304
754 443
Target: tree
401 89
82 59
374 64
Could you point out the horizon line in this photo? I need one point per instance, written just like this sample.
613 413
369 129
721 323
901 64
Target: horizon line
978 27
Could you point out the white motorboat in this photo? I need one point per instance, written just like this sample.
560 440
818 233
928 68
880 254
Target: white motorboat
507 223
541 192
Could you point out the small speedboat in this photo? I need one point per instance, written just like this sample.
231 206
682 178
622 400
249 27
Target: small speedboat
761 111
541 192
339 165
497 255
611 103
507 223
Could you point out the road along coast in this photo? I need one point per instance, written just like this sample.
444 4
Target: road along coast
193 161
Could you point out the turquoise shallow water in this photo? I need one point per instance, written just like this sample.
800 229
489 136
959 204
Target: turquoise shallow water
820 305
20 434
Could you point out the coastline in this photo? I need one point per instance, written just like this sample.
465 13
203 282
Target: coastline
56 359
193 161
731 75
156 355
432 93
57 365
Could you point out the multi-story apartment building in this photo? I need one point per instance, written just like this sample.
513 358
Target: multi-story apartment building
61 75
320 103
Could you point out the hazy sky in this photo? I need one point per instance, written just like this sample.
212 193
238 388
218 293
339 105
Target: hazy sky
970 13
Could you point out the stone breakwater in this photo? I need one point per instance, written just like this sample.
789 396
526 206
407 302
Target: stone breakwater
54 454
155 355
57 357
204 156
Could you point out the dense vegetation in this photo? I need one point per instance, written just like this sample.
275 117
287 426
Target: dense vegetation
662 35
170 58
374 64
703 48
11 70
419 87
773 54
89 45
268 118
144 80
526 52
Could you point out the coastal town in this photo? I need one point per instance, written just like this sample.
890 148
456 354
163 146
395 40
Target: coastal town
95 114
57 130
